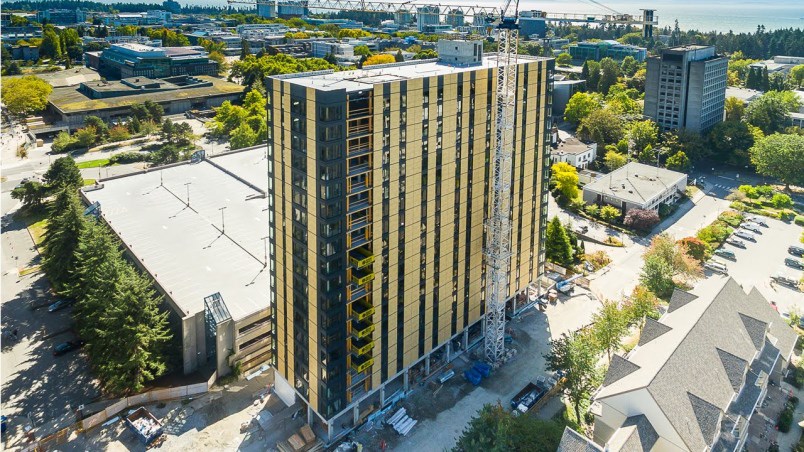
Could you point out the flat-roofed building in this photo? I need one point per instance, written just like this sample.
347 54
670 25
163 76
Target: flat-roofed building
636 186
379 196
131 60
197 230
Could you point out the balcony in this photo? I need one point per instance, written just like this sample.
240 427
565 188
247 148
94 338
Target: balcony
361 126
353 379
358 238
357 184
362 277
362 330
356 150
354 292
359 205
356 223
361 365
361 347
354 170
362 310
361 257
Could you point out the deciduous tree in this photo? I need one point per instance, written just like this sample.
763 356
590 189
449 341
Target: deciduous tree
735 108
602 126
564 59
581 105
575 354
641 304
614 160
609 325
609 213
609 73
565 176
242 137
642 219
678 162
381 58
25 95
780 156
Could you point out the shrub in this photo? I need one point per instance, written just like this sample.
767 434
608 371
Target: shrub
799 220
787 215
764 191
594 210
86 136
781 201
609 213
731 218
642 219
739 205
785 420
715 233
614 241
63 142
665 210
127 157
119 133
749 191
598 259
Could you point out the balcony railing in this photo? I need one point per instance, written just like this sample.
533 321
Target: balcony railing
357 223
359 205
361 257
355 292
362 330
359 169
362 311
362 277
361 347
361 365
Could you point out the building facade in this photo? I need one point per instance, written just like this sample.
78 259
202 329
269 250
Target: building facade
685 88
132 60
379 195
636 186
612 49
62 16
426 16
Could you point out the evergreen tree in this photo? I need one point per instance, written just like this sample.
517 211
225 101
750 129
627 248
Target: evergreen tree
63 173
399 57
558 246
65 223
245 49
765 79
131 335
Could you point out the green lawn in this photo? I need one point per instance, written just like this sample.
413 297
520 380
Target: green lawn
89 182
93 163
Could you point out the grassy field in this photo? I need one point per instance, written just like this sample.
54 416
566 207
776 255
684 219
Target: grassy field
89 182
93 163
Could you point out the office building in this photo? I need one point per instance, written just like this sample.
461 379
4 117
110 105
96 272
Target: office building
61 16
425 16
636 186
697 378
685 88
338 50
131 60
378 193
601 49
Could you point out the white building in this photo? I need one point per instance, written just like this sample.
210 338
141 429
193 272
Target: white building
636 186
696 378
320 49
573 151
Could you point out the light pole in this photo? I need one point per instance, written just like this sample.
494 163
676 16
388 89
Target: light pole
223 222
265 246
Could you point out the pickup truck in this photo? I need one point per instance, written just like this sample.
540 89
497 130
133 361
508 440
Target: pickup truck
524 400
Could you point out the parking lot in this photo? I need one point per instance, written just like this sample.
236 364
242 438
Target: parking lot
754 265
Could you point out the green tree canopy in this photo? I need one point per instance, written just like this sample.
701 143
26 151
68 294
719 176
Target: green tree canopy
558 248
780 156
590 71
614 159
643 134
729 141
51 44
242 137
609 325
31 194
494 428
678 162
565 177
581 105
602 126
65 223
575 354
629 65
564 59
797 75
62 173
641 304
609 73
666 259
769 112
25 95
735 108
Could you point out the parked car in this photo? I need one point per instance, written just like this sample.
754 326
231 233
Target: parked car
60 304
758 221
795 263
785 281
736 242
751 227
66 347
796 251
717 267
728 254
745 235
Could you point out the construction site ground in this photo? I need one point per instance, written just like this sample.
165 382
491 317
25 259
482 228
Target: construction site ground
443 411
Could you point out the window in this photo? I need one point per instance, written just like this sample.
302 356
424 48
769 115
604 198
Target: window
297 106
297 125
332 113
331 133
331 151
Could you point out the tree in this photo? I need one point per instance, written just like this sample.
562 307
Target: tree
643 134
565 177
245 49
25 95
564 59
642 219
780 156
133 333
641 304
155 111
614 160
119 133
678 162
768 112
797 75
63 173
65 223
362 50
86 137
609 213
223 65
729 141
51 44
581 105
382 58
602 126
666 259
695 248
557 243
494 428
101 129
657 277
735 108
629 66
168 153
63 142
590 71
98 265
31 194
242 137
426 54
609 325
575 354
610 72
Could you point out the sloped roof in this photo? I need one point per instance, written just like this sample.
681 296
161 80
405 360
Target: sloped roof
680 299
572 441
635 435
651 331
619 368
681 367
734 367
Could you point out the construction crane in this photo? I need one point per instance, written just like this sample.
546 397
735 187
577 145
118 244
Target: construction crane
497 249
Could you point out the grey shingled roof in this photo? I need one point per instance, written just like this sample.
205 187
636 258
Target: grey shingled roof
680 299
619 368
572 441
651 331
707 416
642 437
756 329
680 368
734 367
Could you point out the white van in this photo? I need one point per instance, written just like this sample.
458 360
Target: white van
717 267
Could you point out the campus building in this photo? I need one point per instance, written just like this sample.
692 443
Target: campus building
685 88
636 186
61 16
378 190
132 60
601 49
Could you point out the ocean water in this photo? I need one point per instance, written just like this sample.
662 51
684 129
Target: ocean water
704 15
